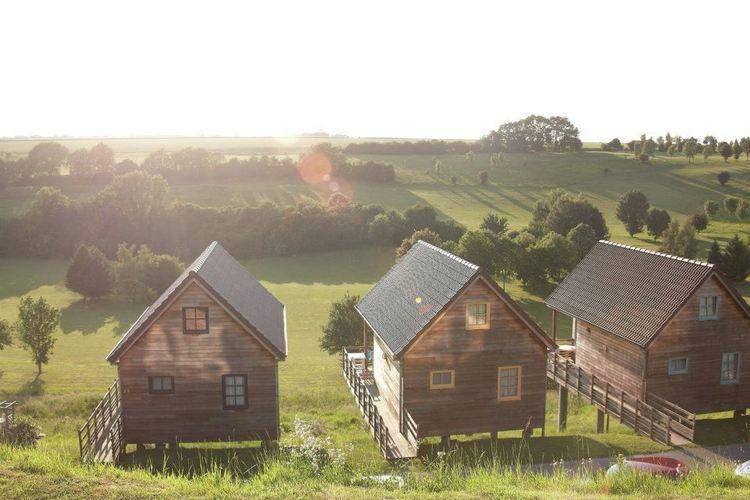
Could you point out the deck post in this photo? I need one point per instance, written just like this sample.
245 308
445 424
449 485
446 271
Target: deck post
738 413
364 341
562 408
493 435
445 442
599 421
554 325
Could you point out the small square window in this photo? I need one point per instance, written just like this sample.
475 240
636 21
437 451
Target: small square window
442 379
161 385
508 383
195 319
677 366
730 368
477 316
708 307
234 391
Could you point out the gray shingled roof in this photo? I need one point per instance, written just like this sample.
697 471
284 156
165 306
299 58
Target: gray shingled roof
238 290
628 291
413 292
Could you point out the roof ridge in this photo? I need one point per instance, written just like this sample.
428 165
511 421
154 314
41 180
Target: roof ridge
450 255
659 254
202 258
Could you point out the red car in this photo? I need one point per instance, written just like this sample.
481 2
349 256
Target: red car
656 465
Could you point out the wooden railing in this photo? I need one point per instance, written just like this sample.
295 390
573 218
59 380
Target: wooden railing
7 413
683 421
364 399
411 429
101 437
651 420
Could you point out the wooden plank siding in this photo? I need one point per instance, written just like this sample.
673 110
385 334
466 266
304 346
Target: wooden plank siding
610 358
702 342
475 355
387 375
194 412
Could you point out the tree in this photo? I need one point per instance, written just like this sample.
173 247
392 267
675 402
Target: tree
730 204
735 260
736 150
680 241
743 210
690 148
101 156
344 326
710 141
723 177
745 145
484 177
657 222
79 163
708 150
725 150
582 238
90 273
560 212
632 209
479 247
494 224
46 158
714 254
699 222
141 274
387 228
37 320
672 150
711 208
426 235
419 217
6 337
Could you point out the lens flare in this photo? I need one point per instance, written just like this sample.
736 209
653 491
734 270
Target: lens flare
315 168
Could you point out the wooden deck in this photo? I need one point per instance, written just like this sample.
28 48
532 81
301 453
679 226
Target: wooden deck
657 419
384 423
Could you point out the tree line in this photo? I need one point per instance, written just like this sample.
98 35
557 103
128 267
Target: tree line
47 164
135 209
644 148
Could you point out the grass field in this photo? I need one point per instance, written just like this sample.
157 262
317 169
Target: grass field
311 385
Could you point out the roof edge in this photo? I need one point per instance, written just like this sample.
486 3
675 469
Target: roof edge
658 254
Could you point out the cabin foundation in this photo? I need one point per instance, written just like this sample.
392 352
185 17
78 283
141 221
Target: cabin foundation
562 409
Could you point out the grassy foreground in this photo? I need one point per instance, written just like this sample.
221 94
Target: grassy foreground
29 474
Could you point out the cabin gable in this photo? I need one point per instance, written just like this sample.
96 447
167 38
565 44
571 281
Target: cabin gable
474 354
702 338
195 409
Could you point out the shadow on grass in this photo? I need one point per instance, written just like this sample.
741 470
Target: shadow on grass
239 461
720 431
87 317
516 451
33 387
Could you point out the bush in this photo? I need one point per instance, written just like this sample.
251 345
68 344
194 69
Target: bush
743 210
454 180
711 208
311 449
723 177
699 222
90 273
22 433
484 177
730 204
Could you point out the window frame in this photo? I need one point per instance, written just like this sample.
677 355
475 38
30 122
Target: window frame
452 385
670 371
519 379
151 390
224 392
185 329
706 317
482 326
735 380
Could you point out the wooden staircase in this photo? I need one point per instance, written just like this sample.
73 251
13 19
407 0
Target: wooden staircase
101 437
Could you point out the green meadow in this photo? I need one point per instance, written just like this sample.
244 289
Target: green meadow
311 383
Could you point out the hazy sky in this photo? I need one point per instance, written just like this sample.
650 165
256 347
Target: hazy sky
376 68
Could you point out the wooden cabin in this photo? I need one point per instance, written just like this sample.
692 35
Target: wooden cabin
201 363
654 324
452 350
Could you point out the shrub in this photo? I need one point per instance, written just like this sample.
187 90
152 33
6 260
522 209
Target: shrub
723 177
22 433
711 208
90 273
743 210
454 180
699 222
484 177
730 204
311 449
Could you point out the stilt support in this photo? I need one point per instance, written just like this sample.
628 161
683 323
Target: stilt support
738 413
445 441
562 409
599 421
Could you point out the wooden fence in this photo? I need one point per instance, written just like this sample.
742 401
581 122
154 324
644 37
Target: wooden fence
364 399
656 421
101 438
